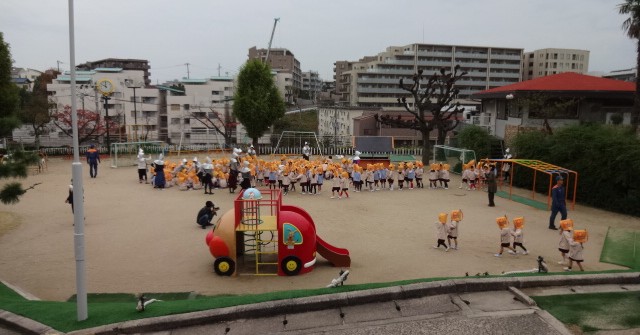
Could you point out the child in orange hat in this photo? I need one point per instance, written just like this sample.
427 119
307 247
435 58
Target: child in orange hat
505 236
344 185
441 231
452 228
518 235
576 249
566 226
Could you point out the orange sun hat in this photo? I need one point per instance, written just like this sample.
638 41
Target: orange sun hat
502 222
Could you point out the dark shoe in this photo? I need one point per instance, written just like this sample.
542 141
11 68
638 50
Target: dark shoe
492 205
553 228
203 227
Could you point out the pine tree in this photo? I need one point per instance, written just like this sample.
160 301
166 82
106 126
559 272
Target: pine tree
14 165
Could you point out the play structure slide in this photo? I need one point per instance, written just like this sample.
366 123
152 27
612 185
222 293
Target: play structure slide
337 256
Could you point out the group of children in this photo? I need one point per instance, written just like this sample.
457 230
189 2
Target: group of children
474 177
507 234
448 230
249 171
570 246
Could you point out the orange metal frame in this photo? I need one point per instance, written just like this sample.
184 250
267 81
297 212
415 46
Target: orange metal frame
570 177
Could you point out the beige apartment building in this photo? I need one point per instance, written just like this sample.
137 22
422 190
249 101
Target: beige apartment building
373 80
544 62
282 61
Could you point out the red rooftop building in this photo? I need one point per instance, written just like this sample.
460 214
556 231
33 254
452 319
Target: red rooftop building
506 109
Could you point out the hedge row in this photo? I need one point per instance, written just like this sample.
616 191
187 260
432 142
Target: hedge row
607 159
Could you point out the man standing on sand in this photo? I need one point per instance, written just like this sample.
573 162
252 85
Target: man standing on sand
306 151
492 185
93 158
557 202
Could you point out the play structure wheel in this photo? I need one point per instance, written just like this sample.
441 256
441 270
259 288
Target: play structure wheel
291 265
224 266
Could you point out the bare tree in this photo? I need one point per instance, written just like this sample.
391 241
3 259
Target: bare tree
223 124
432 106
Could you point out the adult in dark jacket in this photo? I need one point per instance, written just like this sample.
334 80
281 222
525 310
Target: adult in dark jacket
558 203
93 158
158 167
492 185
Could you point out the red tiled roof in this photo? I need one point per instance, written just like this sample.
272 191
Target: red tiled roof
564 82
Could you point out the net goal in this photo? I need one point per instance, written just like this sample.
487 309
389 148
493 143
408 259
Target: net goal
455 157
125 154
291 143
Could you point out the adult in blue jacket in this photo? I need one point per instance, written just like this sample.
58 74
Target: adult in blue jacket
558 203
93 158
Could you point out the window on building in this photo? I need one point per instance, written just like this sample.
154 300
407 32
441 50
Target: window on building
186 107
175 107
501 110
561 56
552 112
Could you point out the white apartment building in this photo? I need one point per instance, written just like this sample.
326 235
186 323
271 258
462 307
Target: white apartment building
544 62
121 106
338 122
24 77
373 80
204 99
143 113
625 74
311 83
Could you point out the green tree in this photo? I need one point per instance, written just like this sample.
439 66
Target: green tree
36 106
632 27
9 93
432 107
16 164
257 102
477 139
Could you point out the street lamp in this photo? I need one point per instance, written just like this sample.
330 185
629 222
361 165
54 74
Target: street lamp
106 119
131 84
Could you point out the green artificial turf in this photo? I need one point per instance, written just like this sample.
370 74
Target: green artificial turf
112 308
622 247
523 200
595 311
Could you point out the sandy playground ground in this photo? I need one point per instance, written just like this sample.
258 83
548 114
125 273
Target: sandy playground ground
140 239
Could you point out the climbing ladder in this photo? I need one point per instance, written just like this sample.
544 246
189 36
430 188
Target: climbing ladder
257 229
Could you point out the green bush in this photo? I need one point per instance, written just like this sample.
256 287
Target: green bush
606 158
477 139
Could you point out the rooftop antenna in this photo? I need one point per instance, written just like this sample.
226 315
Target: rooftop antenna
187 64
219 67
275 22
59 62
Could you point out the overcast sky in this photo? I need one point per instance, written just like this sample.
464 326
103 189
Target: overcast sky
208 33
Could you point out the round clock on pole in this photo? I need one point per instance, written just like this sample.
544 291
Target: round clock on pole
105 86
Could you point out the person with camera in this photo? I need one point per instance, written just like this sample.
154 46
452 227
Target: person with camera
206 214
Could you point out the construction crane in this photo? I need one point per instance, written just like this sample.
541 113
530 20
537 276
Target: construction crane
275 22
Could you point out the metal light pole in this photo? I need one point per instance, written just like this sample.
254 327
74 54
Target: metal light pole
135 110
78 196
335 131
106 120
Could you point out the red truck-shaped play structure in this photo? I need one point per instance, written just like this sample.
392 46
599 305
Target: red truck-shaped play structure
263 236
